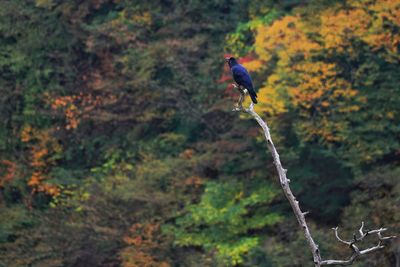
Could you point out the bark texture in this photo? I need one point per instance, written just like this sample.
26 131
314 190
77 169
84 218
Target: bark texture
300 216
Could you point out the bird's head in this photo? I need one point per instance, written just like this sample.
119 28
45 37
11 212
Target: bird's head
231 61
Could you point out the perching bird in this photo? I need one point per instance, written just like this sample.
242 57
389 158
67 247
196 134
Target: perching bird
242 77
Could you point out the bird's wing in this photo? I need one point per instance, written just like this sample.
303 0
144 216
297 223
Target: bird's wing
242 77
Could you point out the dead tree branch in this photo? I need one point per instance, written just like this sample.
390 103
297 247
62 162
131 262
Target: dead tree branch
300 216
352 244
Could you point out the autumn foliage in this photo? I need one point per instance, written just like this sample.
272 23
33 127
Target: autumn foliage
118 146
143 241
309 72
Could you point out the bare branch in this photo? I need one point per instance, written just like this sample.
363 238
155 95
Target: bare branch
285 186
242 91
352 245
300 216
338 238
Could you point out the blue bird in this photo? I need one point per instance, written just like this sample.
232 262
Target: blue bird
242 77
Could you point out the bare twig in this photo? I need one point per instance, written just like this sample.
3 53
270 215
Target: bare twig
338 238
300 216
243 92
352 244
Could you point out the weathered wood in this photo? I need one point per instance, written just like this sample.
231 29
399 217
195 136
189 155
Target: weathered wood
284 181
300 216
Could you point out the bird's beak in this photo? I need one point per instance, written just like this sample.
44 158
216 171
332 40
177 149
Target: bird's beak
226 59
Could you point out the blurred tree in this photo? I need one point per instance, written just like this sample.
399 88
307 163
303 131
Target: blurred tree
225 217
328 70
115 127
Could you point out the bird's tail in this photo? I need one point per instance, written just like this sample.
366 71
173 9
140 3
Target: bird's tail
253 97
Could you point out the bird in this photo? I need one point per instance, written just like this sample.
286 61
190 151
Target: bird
242 77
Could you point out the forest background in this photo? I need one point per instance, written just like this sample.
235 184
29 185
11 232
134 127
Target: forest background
118 146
